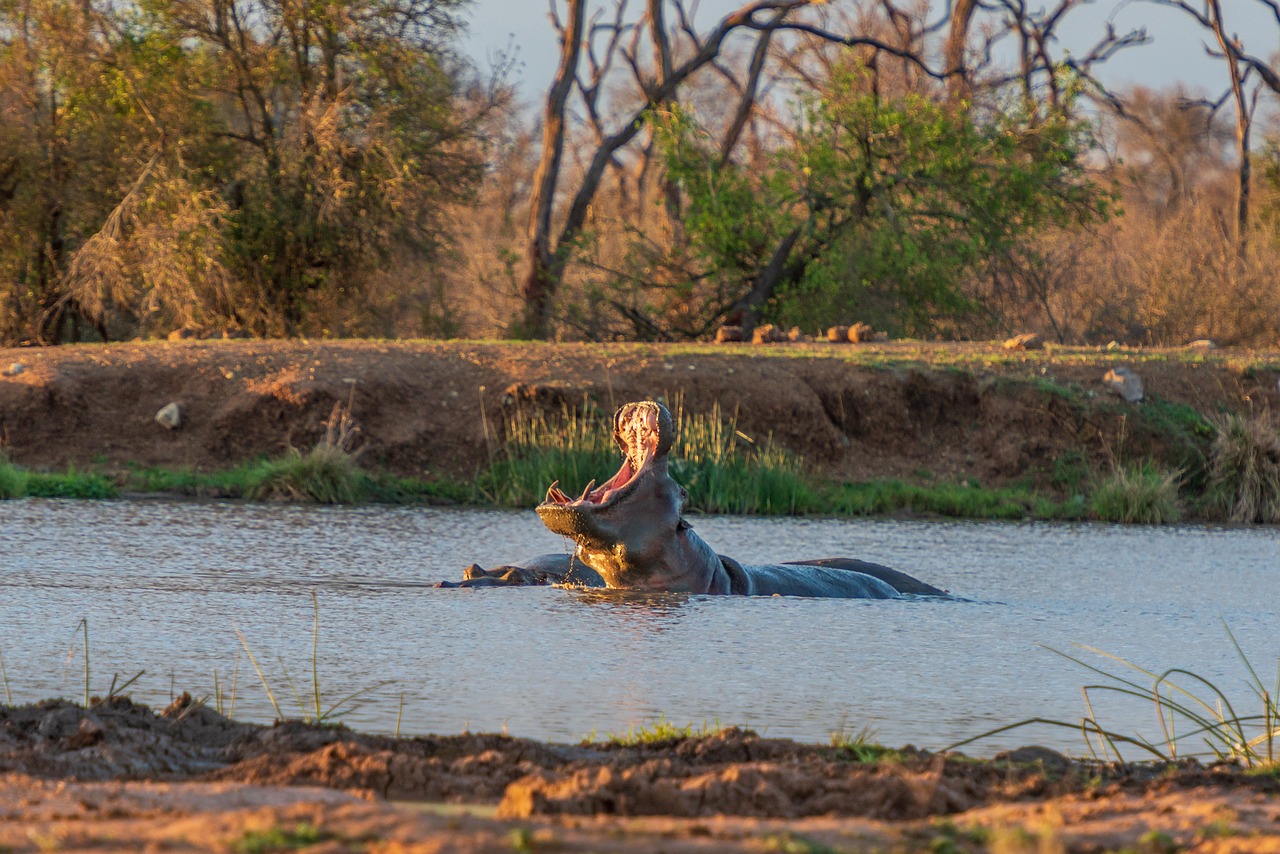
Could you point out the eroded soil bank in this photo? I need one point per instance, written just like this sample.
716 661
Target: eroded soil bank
121 777
861 412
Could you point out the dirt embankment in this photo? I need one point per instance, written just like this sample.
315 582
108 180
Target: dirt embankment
65 777
899 409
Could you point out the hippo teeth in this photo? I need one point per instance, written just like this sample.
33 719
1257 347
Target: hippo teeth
587 491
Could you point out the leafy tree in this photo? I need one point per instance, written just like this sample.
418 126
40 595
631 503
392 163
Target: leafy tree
878 209
220 161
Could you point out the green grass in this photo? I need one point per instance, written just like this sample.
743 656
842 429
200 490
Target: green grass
13 480
656 731
275 839
964 500
860 746
323 475
1140 495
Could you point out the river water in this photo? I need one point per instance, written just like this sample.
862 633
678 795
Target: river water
166 586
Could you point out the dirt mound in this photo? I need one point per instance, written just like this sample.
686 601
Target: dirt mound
733 772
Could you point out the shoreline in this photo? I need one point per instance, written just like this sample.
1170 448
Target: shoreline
959 430
119 775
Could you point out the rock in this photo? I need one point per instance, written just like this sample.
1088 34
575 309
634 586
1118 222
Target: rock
14 369
1202 344
860 333
795 336
183 334
1125 383
169 417
1025 341
1050 760
767 333
838 334
728 334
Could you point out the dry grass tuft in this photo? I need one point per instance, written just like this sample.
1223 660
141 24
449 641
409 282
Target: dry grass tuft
1244 468
1140 495
327 474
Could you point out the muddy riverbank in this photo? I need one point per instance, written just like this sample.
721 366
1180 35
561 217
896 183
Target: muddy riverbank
920 412
119 776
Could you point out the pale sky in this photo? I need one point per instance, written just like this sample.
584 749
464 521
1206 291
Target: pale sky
1176 52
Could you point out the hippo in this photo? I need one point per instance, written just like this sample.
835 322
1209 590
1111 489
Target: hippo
631 534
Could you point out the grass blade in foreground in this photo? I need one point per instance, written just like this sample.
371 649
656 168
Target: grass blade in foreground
1249 740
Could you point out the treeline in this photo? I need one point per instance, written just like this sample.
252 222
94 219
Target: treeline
337 168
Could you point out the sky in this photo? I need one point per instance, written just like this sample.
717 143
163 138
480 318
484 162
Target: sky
1176 53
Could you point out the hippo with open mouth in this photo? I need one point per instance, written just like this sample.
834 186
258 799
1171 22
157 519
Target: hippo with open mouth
631 534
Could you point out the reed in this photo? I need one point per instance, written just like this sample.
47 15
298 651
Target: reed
313 709
724 469
1196 717
1244 468
1139 495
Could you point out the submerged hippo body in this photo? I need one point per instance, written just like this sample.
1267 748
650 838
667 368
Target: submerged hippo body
631 534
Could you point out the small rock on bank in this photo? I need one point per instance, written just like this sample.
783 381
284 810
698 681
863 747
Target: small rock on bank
170 416
1125 383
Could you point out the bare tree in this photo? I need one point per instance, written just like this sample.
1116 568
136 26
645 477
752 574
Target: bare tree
548 253
1240 67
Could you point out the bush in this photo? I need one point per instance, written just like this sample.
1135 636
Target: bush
1138 494
1244 469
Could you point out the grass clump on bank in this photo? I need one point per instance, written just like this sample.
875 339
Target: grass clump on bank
1141 495
327 474
13 480
1244 469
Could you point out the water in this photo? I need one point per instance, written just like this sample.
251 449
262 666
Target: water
165 587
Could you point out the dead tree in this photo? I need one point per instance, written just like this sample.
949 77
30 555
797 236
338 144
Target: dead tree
1240 67
549 245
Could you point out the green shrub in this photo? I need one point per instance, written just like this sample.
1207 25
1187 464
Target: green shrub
1138 494
1244 469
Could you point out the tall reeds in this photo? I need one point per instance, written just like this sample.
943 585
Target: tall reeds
724 470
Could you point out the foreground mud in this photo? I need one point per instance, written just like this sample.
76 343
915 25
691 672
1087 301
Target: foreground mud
121 777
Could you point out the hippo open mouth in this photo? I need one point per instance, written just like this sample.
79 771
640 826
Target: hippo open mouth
644 432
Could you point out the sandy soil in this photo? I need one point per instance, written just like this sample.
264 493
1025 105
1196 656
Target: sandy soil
121 777
898 409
